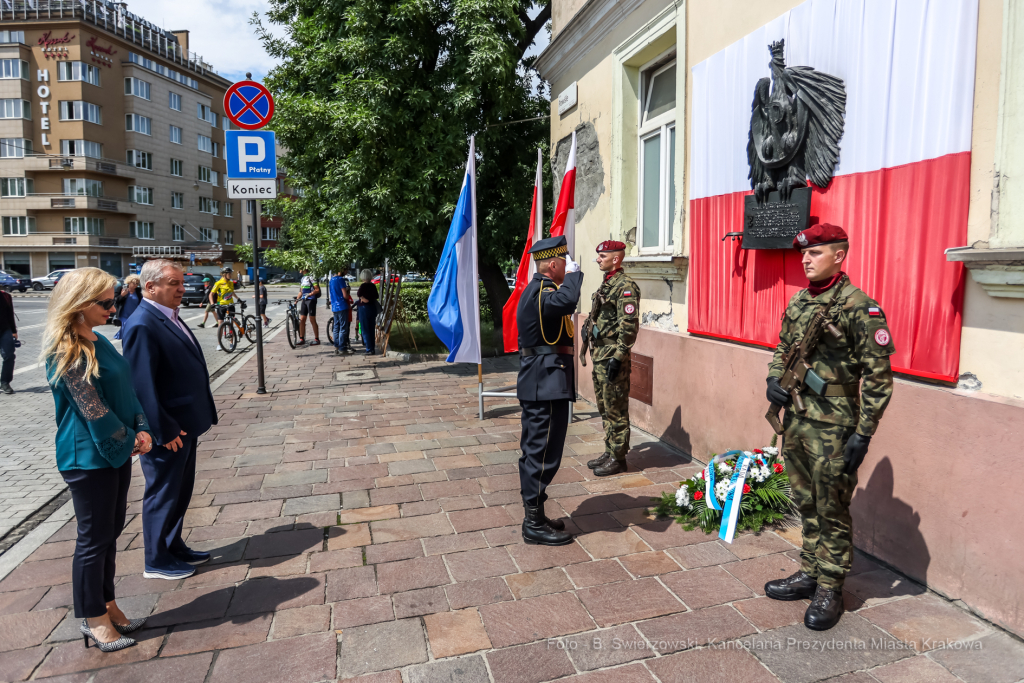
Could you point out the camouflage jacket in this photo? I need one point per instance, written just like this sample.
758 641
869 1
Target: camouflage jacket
861 355
615 310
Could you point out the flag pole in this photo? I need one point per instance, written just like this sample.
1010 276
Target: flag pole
476 284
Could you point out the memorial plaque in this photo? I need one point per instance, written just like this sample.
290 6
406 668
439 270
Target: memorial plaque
774 223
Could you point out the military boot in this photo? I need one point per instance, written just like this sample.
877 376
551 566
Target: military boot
610 467
597 462
555 524
537 532
796 587
825 609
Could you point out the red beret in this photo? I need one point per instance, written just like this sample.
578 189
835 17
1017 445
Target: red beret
823 233
611 245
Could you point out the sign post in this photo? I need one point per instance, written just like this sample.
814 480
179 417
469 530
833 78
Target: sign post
252 173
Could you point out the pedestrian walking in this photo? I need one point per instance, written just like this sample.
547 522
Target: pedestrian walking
339 295
207 287
8 341
309 293
846 385
100 424
546 383
261 301
368 296
127 300
173 385
611 332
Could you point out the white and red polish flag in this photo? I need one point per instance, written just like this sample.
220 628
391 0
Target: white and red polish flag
564 222
901 189
527 267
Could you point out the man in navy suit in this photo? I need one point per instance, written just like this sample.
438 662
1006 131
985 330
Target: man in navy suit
173 384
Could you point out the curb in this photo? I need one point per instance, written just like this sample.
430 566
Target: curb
17 553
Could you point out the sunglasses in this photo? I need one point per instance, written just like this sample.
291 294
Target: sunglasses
107 304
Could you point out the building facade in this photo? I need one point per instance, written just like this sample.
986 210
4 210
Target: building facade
111 144
659 95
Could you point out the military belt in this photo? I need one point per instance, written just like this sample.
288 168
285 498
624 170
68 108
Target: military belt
604 342
547 350
848 390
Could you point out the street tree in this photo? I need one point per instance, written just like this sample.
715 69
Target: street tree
375 103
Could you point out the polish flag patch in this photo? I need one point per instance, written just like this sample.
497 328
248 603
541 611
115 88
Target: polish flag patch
874 311
626 292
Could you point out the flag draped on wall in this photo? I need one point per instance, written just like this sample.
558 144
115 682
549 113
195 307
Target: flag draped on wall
510 329
454 301
564 222
901 188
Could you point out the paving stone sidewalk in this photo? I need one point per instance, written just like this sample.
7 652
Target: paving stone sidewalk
364 526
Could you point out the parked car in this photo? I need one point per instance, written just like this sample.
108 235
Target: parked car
12 282
378 278
60 274
47 281
194 289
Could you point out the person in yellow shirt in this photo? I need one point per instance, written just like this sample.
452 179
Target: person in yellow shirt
224 293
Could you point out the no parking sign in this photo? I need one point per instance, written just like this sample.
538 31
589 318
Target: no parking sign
248 105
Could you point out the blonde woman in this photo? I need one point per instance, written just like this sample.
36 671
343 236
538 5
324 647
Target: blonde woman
100 424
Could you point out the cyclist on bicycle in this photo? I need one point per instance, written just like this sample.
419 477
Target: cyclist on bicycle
224 293
309 292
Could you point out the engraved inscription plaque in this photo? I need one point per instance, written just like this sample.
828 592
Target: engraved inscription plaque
773 224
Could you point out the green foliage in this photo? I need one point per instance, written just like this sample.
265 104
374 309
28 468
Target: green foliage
375 102
414 301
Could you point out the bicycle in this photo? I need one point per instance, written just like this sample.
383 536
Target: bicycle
231 329
291 320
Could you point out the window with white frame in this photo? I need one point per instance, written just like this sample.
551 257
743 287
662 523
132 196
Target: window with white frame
205 205
229 237
174 101
142 230
204 174
177 200
250 205
176 135
81 148
177 167
229 210
136 87
14 148
140 159
177 233
270 233
140 195
83 225
207 235
138 124
215 206
83 186
213 177
216 149
657 157
15 226
205 144
14 68
78 71
248 232
206 114
15 109
15 187
79 111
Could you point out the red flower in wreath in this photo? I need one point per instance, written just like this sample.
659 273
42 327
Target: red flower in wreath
777 467
758 451
697 495
746 488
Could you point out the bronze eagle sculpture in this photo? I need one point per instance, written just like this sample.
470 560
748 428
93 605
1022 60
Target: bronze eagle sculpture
796 123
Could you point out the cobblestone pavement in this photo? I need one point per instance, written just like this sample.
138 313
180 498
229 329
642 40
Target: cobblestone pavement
365 526
28 476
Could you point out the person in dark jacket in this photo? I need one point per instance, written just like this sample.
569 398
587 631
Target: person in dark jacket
8 335
127 300
368 296
100 425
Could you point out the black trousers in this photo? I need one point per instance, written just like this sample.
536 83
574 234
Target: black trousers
100 498
7 354
544 426
170 477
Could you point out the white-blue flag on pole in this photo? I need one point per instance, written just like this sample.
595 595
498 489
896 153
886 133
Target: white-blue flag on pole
454 302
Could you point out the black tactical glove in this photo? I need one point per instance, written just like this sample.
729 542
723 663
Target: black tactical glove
614 365
776 394
856 449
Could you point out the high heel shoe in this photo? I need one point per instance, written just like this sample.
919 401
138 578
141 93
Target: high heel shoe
132 626
119 644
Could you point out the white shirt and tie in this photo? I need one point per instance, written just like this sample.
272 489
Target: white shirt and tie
172 315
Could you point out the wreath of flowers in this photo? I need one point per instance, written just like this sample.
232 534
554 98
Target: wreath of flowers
767 498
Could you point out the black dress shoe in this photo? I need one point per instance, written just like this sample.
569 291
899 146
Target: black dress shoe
609 468
597 462
555 524
537 532
825 609
799 586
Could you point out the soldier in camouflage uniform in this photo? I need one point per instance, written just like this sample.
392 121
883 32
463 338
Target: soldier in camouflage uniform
612 326
826 443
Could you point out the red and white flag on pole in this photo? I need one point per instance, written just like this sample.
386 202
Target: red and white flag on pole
565 212
510 330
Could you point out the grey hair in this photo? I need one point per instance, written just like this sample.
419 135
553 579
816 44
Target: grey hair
365 275
153 271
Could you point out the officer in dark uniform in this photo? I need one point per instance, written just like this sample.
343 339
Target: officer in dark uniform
546 382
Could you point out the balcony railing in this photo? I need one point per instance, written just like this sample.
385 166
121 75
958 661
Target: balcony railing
62 202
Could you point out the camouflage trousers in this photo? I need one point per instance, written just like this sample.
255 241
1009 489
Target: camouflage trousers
613 404
813 452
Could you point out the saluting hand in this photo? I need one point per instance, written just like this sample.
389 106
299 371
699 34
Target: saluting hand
570 265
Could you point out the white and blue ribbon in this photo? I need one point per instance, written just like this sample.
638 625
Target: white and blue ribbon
709 479
733 498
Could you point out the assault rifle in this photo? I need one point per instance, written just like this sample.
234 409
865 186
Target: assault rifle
589 326
797 372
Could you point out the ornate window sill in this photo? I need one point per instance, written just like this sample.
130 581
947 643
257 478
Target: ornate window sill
659 267
1000 272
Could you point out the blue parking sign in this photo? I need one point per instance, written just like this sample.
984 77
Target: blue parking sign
251 154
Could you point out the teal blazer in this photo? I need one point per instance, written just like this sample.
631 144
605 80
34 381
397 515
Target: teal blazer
96 420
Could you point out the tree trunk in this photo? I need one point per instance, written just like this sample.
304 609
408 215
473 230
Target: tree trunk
497 289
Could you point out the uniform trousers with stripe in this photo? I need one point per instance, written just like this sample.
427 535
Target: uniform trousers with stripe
544 426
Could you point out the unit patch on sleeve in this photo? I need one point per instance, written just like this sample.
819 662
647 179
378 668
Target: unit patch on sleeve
630 309
882 337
